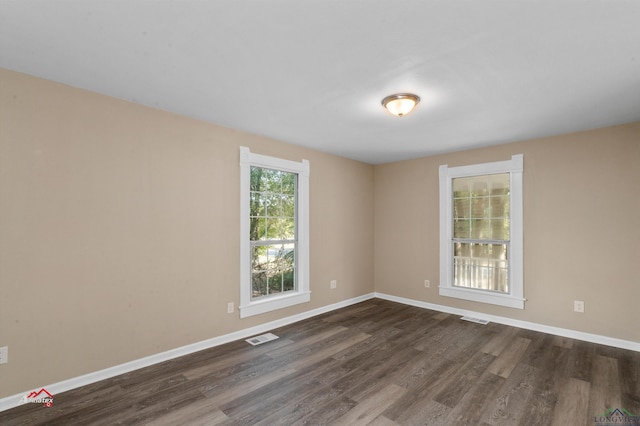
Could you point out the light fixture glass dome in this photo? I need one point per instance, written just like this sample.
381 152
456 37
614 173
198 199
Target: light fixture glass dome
401 103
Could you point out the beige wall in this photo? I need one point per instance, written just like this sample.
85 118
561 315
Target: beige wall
119 229
581 229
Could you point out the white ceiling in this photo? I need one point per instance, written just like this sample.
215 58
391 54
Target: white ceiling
313 72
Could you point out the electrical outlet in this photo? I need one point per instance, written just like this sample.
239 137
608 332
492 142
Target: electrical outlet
230 307
578 306
333 284
427 284
4 355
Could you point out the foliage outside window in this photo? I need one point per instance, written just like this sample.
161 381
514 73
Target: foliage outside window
272 231
274 244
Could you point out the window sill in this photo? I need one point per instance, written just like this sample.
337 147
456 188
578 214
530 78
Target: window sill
272 303
482 296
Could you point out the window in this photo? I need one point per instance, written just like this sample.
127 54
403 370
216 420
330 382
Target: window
274 210
481 232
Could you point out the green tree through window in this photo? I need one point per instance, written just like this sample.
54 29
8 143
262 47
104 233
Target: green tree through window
272 231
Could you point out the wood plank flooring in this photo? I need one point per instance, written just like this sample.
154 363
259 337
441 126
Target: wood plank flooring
374 363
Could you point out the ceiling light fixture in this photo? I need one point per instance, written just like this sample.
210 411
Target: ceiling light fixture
401 103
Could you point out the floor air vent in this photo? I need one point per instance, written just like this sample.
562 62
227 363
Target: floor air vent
476 320
264 338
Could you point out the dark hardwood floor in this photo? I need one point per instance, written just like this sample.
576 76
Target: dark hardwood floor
378 363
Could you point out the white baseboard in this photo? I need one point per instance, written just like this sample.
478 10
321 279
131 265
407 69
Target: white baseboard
59 387
76 382
573 334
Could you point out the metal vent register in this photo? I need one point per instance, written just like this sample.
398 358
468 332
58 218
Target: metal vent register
264 338
476 320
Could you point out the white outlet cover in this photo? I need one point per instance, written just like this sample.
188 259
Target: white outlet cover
4 355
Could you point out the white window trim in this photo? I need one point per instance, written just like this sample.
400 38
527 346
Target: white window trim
515 297
302 294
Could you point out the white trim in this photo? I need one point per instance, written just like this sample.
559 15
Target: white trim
482 296
515 297
76 382
272 303
558 331
87 379
248 307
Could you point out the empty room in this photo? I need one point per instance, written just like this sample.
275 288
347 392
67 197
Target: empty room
318 212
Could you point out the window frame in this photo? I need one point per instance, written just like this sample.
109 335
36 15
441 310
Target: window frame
515 297
302 294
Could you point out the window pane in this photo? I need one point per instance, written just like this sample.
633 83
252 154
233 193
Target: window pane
289 181
481 266
271 181
288 228
500 229
257 228
500 206
480 251
461 187
287 257
273 204
258 284
480 207
479 186
461 207
462 249
461 228
480 229
256 204
288 279
259 261
255 183
484 200
272 218
275 283
498 251
273 229
273 269
288 205
500 184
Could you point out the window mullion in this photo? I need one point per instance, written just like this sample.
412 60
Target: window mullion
474 241
259 243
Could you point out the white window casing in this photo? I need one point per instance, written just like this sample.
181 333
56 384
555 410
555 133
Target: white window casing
515 296
302 294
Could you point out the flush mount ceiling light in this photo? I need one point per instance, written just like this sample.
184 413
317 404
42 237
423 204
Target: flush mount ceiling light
401 103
